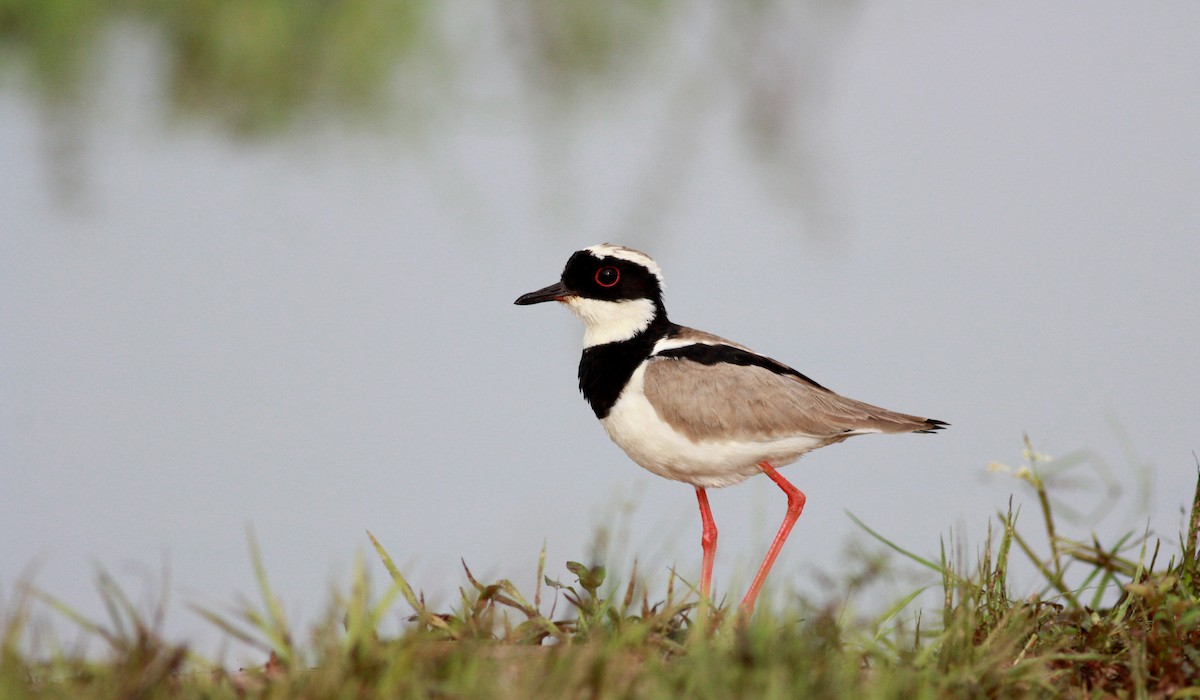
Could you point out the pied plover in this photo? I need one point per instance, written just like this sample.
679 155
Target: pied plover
691 406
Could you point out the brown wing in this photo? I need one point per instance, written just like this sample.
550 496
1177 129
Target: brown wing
712 401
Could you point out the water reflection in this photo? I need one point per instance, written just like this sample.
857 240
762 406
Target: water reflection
270 67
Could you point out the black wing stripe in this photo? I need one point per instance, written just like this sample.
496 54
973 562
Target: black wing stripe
713 354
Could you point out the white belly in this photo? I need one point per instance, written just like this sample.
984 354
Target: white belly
656 446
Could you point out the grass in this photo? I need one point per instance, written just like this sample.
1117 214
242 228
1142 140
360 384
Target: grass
1120 620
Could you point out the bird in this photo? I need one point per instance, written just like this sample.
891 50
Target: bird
694 407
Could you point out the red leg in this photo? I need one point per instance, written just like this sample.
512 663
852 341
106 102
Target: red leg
795 505
708 540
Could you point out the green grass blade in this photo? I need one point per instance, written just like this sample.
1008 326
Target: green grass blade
895 610
274 625
914 557
394 571
229 628
73 615
1053 578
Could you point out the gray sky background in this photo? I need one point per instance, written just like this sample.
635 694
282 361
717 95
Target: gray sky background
315 334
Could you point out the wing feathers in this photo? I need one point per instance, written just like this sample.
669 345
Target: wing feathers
753 397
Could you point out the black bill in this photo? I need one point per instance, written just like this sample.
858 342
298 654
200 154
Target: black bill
555 292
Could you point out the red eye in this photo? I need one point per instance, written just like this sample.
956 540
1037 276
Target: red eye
607 276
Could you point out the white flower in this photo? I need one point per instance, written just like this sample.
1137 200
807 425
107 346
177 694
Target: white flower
1033 456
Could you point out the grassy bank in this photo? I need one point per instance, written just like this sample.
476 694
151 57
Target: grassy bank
1118 619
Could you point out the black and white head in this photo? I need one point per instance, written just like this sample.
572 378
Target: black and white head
616 292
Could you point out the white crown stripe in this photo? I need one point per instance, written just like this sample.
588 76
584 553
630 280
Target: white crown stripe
608 250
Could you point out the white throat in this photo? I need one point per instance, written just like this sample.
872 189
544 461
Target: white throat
611 321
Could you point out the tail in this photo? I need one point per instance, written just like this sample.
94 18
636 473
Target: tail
932 425
884 421
853 417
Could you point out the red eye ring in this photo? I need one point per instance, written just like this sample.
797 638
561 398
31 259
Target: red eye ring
608 276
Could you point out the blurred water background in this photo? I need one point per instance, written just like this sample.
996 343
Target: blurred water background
257 264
